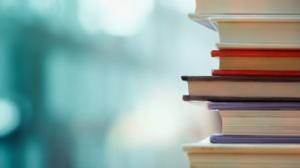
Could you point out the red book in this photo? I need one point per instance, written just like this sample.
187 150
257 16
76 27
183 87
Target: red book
255 73
258 62
255 53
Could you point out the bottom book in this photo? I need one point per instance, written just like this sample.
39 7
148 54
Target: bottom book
206 155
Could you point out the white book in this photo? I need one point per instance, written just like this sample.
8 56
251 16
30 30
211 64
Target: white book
210 7
254 31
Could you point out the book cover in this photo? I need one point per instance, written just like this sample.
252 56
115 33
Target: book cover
254 105
207 155
256 73
206 147
239 98
258 62
255 53
258 7
254 139
242 88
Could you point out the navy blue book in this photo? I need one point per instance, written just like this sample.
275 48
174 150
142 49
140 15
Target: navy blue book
254 105
254 139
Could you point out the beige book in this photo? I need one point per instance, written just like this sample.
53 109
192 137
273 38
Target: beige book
254 31
260 63
210 7
206 155
260 122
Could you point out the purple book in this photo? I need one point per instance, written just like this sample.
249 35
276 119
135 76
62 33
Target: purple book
254 139
254 105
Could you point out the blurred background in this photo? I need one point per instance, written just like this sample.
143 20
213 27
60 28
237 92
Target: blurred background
96 83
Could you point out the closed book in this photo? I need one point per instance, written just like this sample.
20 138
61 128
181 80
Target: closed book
255 53
260 73
253 105
212 7
254 139
258 61
254 31
207 155
235 88
260 122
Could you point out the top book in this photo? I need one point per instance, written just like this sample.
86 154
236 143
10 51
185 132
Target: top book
211 7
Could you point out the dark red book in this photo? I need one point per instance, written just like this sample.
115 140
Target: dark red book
255 73
255 53
258 62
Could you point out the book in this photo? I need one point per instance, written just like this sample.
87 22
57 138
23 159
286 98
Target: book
204 154
261 73
254 31
258 31
259 60
212 7
255 46
254 139
255 53
253 105
240 88
260 122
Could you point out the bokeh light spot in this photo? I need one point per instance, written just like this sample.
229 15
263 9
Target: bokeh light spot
9 117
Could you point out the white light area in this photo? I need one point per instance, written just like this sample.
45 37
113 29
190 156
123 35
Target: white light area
182 6
202 122
115 17
155 120
42 6
9 117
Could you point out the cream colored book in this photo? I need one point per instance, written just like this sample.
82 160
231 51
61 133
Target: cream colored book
210 7
260 122
254 31
206 155
284 63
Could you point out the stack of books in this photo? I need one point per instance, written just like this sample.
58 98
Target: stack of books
256 90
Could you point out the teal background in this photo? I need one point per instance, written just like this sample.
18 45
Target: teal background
96 83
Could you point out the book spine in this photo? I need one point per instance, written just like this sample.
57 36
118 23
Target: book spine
254 105
253 139
258 73
255 53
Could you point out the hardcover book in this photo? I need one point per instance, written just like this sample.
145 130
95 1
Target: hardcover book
212 7
234 88
260 122
253 105
207 155
255 53
257 73
254 139
254 31
258 60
